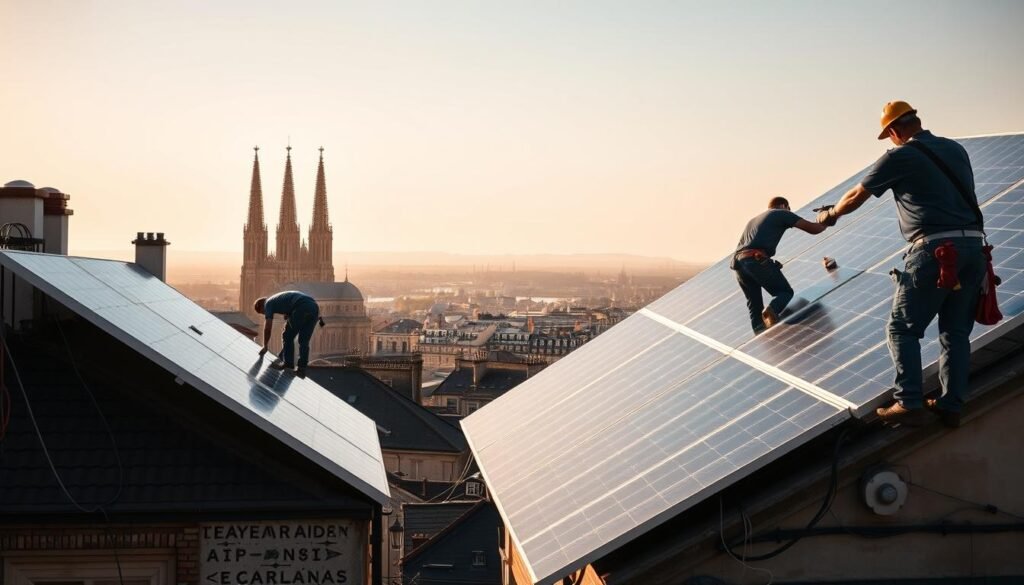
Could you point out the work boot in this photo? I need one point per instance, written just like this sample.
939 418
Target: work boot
769 317
279 364
896 414
948 417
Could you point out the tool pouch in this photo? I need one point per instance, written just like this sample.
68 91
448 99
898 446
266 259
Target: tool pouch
947 256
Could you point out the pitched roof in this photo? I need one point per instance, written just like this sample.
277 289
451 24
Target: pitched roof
450 554
402 423
401 326
428 519
171 461
492 384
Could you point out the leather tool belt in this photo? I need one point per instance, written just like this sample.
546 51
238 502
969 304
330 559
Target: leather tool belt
754 253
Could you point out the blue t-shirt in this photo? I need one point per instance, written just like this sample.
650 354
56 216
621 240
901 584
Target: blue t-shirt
926 200
764 232
283 303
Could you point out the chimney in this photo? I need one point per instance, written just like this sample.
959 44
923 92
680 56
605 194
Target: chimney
21 202
151 253
55 221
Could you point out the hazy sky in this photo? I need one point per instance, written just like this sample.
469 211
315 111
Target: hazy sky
653 128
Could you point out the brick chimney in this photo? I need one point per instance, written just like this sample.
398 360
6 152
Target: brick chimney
151 253
55 221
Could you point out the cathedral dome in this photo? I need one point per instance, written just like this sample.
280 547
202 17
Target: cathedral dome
19 184
329 291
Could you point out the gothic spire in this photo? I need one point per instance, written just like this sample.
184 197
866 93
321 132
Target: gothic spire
288 220
255 194
320 217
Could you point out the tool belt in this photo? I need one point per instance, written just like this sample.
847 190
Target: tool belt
946 235
758 255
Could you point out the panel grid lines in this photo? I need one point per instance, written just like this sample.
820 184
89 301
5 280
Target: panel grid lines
660 427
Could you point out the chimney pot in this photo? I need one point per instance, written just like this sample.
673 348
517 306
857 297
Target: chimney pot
151 254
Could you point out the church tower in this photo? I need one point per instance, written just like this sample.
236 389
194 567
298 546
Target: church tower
254 254
288 246
321 235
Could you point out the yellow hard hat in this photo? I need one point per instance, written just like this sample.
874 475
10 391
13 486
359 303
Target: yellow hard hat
891 112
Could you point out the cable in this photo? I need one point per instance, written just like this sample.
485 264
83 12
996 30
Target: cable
990 508
741 560
46 452
826 504
451 490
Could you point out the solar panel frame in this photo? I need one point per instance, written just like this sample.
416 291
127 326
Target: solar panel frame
142 313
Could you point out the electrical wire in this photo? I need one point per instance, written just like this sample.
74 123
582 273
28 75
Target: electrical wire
746 539
100 508
826 505
451 490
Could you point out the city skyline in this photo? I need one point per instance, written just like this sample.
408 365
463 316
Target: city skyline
488 129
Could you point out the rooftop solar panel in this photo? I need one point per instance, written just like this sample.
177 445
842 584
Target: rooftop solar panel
681 399
157 321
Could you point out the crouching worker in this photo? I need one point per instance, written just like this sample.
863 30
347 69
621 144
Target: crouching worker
301 314
755 269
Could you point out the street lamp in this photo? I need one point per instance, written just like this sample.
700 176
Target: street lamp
395 534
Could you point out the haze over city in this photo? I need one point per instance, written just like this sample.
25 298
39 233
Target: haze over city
480 128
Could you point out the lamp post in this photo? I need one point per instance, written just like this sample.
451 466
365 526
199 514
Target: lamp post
395 533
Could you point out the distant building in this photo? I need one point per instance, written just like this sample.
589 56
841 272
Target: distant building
480 379
346 329
301 265
441 348
402 336
451 542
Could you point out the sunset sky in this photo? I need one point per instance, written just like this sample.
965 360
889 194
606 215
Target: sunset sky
653 128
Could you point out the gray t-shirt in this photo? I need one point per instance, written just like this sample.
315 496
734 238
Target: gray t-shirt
764 232
283 303
926 200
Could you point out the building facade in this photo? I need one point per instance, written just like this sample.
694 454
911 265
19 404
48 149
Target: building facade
301 265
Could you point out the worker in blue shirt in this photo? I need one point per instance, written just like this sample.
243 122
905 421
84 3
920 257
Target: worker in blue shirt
754 267
933 186
301 314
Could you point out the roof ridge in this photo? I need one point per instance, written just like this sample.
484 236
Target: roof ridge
444 531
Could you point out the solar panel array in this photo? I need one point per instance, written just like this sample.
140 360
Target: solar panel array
157 321
680 399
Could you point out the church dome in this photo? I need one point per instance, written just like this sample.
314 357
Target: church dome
19 184
329 291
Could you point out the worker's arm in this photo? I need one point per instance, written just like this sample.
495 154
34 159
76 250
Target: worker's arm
810 227
268 328
853 199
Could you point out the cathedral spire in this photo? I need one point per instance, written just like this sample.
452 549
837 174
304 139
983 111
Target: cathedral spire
288 216
320 217
255 194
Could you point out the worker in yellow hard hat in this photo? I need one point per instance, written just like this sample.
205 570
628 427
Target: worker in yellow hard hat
932 182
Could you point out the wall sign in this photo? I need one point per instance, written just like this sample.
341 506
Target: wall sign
315 552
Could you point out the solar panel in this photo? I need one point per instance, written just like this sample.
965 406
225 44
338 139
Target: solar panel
157 321
681 399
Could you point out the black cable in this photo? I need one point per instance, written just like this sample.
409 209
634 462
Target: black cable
990 508
826 504
46 452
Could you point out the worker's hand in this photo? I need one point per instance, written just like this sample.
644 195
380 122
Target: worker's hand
263 351
827 215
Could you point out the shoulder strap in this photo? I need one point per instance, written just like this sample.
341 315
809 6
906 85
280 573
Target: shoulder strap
972 204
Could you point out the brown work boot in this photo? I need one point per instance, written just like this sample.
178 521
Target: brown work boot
948 417
896 414
769 317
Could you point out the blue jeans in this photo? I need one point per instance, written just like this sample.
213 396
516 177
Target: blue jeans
753 276
916 302
300 323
